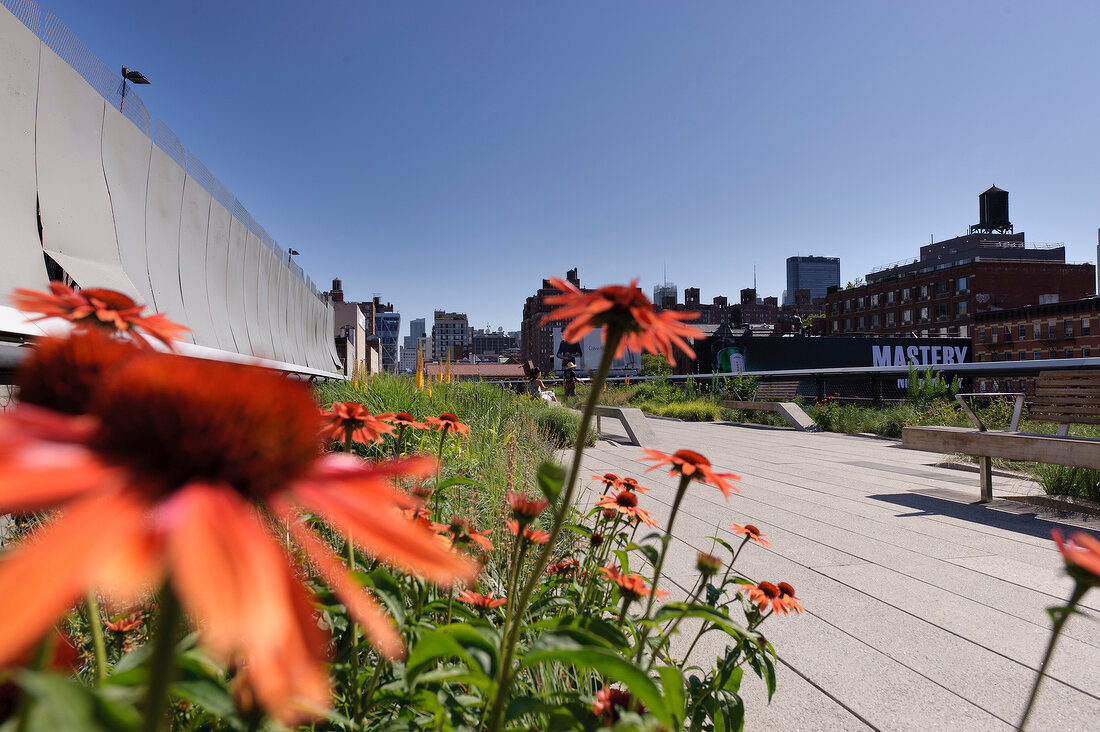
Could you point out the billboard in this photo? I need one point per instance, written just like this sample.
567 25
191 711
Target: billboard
588 352
736 353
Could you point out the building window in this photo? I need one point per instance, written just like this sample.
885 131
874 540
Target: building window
943 311
925 314
943 287
834 308
1069 353
1038 328
981 335
1036 354
890 297
907 316
1008 333
875 322
962 285
961 308
906 295
1023 355
847 324
1069 327
891 319
861 323
1023 331
1084 326
1050 330
923 292
836 326
847 306
861 303
1086 352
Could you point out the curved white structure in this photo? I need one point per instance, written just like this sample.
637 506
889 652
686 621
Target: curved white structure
84 185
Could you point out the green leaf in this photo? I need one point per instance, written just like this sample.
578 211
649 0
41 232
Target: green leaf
61 704
650 552
726 544
672 681
456 481
551 478
730 711
208 695
474 645
563 649
708 613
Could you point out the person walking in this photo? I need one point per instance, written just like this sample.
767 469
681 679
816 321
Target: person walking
569 377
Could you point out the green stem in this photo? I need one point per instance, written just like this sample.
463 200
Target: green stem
1079 591
374 678
95 623
684 480
353 650
503 682
162 665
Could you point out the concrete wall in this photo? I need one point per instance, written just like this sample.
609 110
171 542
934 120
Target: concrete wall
121 204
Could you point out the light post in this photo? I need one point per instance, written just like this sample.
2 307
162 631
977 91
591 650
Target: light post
127 75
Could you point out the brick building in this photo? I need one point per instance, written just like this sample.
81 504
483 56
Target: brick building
940 293
1066 329
537 340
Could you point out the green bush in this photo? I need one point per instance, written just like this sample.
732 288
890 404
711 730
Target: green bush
654 365
661 391
740 387
928 386
559 426
696 411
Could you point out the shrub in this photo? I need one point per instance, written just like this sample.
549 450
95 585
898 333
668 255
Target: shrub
926 387
659 390
559 426
696 411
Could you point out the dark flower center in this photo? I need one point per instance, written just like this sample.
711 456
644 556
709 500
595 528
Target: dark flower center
65 374
626 499
785 590
768 589
692 458
177 420
109 298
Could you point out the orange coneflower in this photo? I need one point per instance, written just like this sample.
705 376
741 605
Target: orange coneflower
786 592
182 472
751 533
632 485
448 422
535 536
462 532
95 308
624 307
609 702
564 568
610 481
764 594
351 420
125 624
485 602
631 586
626 503
1082 555
404 419
524 508
692 465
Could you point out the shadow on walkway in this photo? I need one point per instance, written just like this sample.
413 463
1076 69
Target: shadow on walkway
999 514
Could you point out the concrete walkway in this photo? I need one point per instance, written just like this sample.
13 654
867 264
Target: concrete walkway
924 610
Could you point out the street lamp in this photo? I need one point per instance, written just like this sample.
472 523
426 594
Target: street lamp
127 75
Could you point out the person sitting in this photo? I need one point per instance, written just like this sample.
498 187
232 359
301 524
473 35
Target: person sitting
537 389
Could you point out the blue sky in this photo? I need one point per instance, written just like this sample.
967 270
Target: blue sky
453 154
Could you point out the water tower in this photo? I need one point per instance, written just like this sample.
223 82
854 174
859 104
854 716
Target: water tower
992 213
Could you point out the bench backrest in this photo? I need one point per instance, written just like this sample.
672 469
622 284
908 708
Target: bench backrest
775 390
1067 397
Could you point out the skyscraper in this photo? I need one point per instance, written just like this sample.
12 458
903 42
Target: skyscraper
815 274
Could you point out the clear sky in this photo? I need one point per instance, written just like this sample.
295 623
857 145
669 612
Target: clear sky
452 154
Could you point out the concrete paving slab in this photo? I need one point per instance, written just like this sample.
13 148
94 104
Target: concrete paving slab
924 611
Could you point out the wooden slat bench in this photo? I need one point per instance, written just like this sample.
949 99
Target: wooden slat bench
776 396
1061 397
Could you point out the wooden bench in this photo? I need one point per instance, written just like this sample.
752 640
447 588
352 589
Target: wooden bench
1062 397
776 396
633 421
